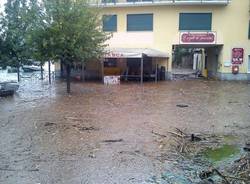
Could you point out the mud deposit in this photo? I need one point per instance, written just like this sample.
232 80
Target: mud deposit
103 134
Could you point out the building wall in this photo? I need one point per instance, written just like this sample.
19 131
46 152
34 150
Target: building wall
231 23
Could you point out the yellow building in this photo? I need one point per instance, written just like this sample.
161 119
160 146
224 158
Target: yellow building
215 33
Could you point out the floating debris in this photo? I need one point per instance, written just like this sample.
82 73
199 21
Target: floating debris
182 105
84 128
113 140
49 124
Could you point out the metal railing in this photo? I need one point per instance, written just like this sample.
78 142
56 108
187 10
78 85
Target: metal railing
162 2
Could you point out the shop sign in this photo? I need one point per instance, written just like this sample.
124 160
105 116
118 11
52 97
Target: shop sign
237 56
197 38
113 55
111 80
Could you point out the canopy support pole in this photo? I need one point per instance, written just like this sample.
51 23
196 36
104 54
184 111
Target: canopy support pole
156 72
168 78
49 63
142 69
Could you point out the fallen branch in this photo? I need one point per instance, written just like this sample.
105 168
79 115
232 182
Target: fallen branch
176 134
14 170
180 131
221 175
231 177
161 135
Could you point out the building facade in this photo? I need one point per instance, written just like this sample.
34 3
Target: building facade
216 34
220 28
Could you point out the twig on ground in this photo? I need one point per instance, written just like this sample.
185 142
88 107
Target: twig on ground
161 135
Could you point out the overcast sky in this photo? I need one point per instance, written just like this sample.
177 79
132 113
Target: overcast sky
2 2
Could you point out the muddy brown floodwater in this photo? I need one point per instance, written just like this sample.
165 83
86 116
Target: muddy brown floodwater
103 134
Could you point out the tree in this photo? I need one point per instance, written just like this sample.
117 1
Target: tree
71 33
16 24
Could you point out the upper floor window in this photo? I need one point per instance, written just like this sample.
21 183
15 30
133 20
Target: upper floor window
109 23
195 21
140 22
108 1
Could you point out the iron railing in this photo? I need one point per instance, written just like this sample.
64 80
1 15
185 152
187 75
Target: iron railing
162 2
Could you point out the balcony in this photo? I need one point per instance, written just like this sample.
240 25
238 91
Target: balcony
126 3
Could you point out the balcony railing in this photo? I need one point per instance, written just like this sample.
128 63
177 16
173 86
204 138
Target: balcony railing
120 3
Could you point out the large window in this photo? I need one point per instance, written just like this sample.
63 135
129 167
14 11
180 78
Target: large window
140 22
195 21
109 23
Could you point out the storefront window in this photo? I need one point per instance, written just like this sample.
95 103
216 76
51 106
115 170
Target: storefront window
110 62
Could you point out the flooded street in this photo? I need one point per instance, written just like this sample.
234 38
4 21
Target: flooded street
104 134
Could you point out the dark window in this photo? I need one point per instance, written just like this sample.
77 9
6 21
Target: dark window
195 21
109 23
140 22
139 1
110 62
249 30
108 1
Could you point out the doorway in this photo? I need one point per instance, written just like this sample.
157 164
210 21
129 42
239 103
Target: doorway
192 61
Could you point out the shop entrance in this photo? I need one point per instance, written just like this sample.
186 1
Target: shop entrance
193 61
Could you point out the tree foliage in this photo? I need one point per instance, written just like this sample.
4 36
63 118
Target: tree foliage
60 30
70 32
17 23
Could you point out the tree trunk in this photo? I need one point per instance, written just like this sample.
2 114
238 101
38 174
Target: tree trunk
83 73
49 72
41 71
61 67
68 78
18 71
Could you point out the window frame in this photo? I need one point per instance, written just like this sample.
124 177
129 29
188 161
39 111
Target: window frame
103 20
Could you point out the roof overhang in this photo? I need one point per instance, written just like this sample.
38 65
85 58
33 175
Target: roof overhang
198 45
134 53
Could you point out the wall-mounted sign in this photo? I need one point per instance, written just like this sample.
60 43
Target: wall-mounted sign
237 56
197 38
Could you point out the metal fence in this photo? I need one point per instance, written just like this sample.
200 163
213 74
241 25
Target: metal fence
174 2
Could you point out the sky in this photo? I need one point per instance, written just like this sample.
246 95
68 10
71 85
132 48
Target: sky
2 2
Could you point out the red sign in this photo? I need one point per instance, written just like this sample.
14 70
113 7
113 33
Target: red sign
237 56
198 38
